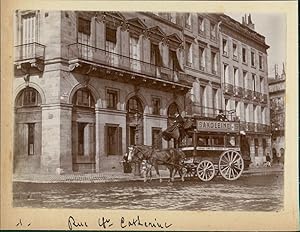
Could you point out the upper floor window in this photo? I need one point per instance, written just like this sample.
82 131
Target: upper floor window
188 20
173 17
29 28
83 97
234 51
260 62
213 31
29 97
110 39
112 98
244 55
214 64
189 54
200 25
252 58
225 47
253 82
156 105
226 73
202 58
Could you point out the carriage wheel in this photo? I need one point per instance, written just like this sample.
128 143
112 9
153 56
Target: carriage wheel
231 165
206 170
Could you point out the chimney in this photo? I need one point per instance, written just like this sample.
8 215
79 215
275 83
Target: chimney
250 24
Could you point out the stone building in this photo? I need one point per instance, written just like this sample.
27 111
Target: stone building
244 81
89 84
277 114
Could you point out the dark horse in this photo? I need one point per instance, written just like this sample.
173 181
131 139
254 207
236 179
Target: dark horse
171 158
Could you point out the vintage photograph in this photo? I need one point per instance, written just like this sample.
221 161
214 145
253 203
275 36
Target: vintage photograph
149 110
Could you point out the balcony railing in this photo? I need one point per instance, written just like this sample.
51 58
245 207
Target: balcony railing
228 89
29 51
238 91
264 98
255 127
248 94
256 96
212 113
103 57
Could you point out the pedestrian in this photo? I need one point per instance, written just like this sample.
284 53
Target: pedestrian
221 116
245 149
268 160
146 168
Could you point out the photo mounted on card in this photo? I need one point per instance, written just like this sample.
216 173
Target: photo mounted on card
132 116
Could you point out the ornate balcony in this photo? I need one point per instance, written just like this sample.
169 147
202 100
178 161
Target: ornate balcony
204 112
29 58
252 127
256 96
264 98
228 89
238 91
95 61
248 94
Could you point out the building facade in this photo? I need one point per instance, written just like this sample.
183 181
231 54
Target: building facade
277 114
89 84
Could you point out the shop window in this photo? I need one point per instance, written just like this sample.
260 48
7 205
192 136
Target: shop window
112 98
113 137
156 105
156 138
30 138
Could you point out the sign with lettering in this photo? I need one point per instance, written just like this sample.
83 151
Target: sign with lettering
217 126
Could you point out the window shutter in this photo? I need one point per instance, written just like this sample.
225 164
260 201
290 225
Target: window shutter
120 141
105 139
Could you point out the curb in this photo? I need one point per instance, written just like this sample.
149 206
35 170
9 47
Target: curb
117 180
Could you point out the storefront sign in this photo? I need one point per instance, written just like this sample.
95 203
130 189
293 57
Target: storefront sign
217 126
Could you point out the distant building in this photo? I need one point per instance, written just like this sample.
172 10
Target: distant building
277 104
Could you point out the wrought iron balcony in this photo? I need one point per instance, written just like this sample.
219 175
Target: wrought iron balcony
228 89
256 96
29 57
255 127
238 91
248 94
264 98
211 113
88 55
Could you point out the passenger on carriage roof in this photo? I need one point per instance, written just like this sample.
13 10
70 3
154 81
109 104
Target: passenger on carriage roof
221 116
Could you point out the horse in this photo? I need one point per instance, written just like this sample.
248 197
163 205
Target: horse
171 158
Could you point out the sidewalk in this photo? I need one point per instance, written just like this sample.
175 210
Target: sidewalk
120 176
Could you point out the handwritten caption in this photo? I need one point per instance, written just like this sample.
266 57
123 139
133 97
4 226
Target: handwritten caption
121 223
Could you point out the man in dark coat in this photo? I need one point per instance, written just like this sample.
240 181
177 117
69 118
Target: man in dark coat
221 116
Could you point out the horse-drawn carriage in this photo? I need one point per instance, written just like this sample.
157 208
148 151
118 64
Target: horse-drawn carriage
205 148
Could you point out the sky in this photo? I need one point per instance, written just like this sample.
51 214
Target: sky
273 27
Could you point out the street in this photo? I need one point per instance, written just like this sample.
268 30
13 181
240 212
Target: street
248 193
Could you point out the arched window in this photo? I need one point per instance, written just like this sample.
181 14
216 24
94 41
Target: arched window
172 110
28 97
83 97
134 106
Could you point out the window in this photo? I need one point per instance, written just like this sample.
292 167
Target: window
226 73
30 138
189 54
245 74
83 37
236 76
262 84
156 105
173 17
112 98
83 97
81 138
110 44
135 54
113 139
156 138
260 62
200 25
247 113
29 97
253 82
244 55
213 31
201 58
252 58
214 63
225 47
234 51
215 102
188 20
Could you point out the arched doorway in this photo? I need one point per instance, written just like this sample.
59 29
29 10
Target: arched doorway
83 131
28 131
134 121
172 111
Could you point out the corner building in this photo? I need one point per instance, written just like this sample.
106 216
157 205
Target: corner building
89 84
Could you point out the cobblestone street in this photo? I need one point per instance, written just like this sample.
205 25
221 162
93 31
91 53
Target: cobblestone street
249 193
